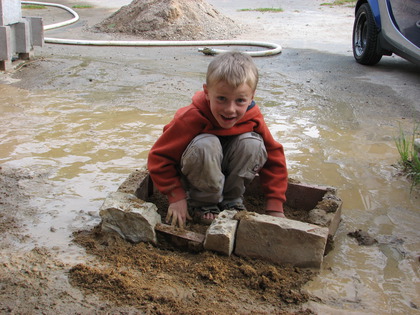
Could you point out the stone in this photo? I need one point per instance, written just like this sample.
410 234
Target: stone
132 218
181 238
138 183
281 240
320 217
328 204
220 236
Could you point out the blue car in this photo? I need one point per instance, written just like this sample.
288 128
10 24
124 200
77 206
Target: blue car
384 27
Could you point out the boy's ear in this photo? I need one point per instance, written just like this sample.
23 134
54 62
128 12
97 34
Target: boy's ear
206 91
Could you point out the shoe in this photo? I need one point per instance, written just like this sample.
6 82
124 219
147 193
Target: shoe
234 205
199 212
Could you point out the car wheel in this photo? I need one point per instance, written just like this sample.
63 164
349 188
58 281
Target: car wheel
365 37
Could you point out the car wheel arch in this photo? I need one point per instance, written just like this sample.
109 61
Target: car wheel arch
374 7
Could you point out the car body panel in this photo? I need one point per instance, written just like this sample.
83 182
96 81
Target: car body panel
398 22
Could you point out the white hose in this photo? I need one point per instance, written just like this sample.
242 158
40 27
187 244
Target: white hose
56 25
275 49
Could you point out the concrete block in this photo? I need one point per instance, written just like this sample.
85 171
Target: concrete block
22 38
129 216
220 236
281 240
5 65
36 31
26 56
5 49
5 41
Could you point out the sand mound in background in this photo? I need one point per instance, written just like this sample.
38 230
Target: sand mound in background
171 20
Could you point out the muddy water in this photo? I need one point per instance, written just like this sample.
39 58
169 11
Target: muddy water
329 144
85 144
85 151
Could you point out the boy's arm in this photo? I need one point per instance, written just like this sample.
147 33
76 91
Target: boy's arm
162 167
163 161
164 158
274 176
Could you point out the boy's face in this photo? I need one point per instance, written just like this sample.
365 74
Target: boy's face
228 104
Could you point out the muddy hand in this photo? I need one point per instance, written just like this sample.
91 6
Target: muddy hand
178 213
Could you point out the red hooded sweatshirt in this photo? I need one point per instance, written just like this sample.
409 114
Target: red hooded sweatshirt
190 121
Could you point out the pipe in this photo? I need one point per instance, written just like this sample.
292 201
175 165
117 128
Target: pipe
274 48
56 25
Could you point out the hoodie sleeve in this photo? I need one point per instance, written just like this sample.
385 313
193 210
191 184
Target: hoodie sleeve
165 155
274 177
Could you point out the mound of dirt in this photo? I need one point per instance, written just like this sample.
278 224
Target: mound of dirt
171 20
161 281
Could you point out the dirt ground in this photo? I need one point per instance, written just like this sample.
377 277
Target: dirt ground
123 278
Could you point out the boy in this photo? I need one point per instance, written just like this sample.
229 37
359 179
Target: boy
214 147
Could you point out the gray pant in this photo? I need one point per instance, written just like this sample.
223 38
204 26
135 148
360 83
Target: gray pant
217 169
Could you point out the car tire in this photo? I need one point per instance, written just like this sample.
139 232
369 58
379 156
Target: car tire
365 37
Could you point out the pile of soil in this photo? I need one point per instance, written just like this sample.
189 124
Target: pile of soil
171 20
162 281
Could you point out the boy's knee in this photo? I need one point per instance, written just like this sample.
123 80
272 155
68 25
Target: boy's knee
207 143
248 154
250 144
201 166
203 151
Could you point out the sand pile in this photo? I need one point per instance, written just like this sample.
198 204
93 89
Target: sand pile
171 20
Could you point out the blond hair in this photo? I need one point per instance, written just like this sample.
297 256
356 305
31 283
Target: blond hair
234 68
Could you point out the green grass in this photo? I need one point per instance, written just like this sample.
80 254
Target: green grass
33 6
264 10
82 6
409 158
339 2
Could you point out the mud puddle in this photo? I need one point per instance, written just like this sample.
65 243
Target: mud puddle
82 152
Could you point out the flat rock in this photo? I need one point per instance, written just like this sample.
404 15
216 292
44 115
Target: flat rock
129 216
220 236
281 240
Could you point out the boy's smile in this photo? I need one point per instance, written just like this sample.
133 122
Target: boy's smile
228 104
